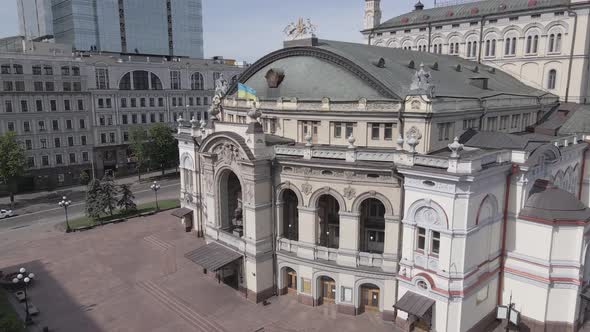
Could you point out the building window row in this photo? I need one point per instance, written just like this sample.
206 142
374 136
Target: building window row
58 159
40 106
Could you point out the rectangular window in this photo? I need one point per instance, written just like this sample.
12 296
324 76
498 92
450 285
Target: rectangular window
65 71
103 138
83 140
526 118
72 158
29 144
55 124
37 70
30 162
57 142
134 118
75 71
456 25
161 117
10 126
349 129
152 102
438 27
375 131
67 86
20 86
53 105
123 102
7 86
5 69
421 245
388 134
435 247
112 137
43 143
45 160
48 70
493 21
142 102
24 107
67 106
70 141
133 102
68 124
124 119
49 86
77 86
109 103
444 131
558 13
143 118
100 103
102 79
8 106
84 156
152 117
101 120
191 101
513 18
536 16
175 80
160 102
504 122
337 129
473 23
110 120
80 105
58 159
38 86
174 101
198 101
27 126
125 136
205 100
18 69
41 125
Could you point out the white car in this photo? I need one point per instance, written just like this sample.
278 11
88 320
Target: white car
5 213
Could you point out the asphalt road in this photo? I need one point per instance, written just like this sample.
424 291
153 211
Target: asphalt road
43 213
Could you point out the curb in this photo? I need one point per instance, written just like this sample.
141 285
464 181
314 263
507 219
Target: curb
121 220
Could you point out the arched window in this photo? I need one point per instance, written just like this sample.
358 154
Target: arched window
197 81
551 43
156 83
558 43
529 44
535 44
552 79
532 44
554 43
475 50
125 83
140 80
490 48
468 49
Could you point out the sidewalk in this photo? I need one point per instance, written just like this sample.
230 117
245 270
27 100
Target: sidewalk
78 192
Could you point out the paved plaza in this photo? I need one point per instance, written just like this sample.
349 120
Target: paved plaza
134 277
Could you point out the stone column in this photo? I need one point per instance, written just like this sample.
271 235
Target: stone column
279 217
349 239
307 232
391 244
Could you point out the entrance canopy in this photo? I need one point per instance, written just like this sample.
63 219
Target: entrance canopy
414 304
182 212
213 256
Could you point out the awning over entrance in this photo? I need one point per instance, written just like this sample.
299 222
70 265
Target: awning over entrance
414 304
213 256
182 212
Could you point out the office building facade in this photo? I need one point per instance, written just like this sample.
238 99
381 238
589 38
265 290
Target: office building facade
172 28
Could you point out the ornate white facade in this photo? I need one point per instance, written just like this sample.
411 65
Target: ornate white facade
542 43
356 193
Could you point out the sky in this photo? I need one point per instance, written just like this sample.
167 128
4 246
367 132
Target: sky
249 29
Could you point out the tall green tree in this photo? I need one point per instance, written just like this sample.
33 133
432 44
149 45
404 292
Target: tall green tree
108 194
126 202
12 162
163 146
93 207
138 142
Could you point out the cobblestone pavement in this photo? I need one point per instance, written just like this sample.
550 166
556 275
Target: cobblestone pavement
134 277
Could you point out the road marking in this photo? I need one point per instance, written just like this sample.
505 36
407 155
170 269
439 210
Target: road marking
80 203
176 305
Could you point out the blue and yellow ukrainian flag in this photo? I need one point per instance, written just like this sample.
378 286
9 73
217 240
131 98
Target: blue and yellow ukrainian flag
246 92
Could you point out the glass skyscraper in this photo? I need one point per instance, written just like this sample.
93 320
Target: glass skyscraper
35 19
159 27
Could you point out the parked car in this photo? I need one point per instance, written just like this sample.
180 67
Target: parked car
5 213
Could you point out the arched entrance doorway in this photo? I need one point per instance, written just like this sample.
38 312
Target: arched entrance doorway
372 232
230 199
289 281
369 298
290 215
329 222
326 290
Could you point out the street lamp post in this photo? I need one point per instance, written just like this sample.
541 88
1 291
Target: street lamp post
65 203
25 280
155 187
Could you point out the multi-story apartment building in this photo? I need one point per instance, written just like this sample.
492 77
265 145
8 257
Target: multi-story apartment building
72 113
44 99
544 43
140 90
343 185
161 27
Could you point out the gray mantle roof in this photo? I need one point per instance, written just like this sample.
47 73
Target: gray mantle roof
474 10
550 204
333 63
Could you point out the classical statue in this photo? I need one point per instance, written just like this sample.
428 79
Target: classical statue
221 86
300 30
